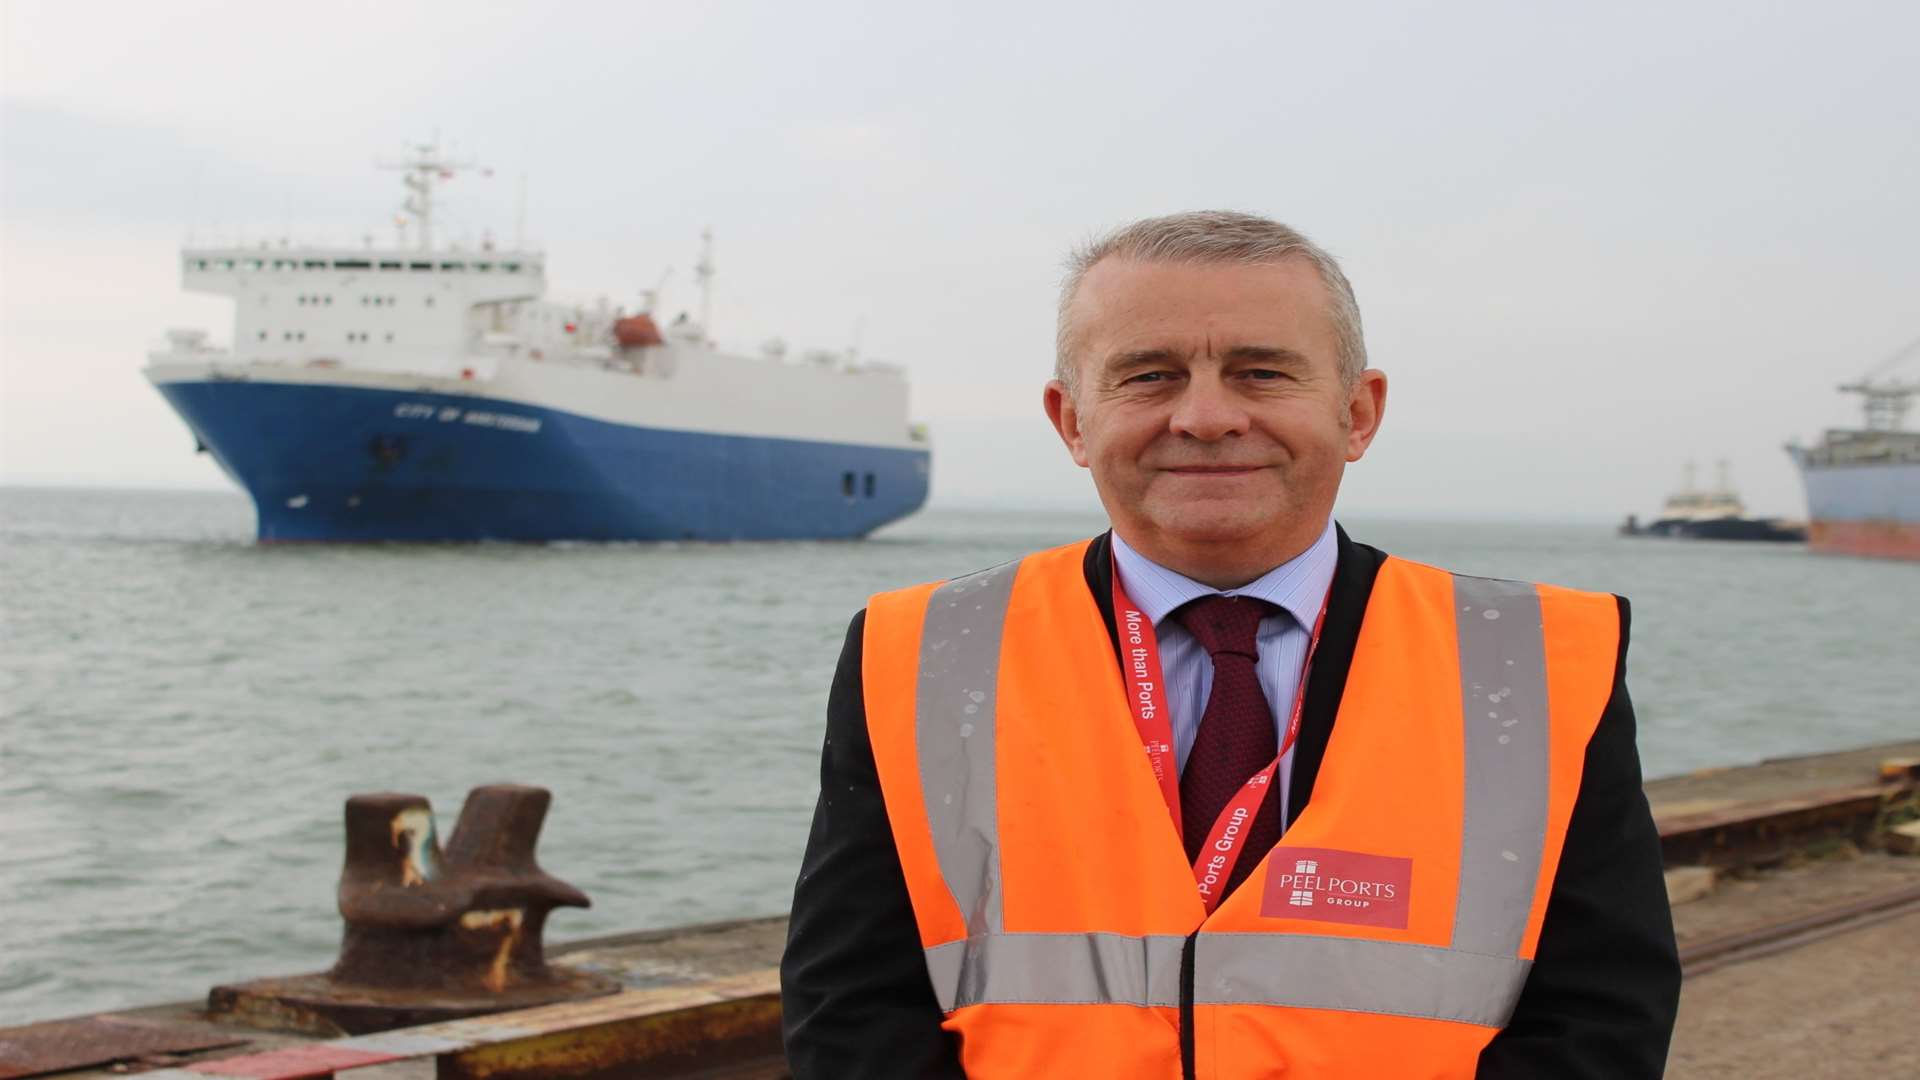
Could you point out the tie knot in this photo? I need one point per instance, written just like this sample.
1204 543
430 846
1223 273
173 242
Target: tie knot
1224 624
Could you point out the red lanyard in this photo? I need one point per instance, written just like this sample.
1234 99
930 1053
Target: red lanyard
1147 698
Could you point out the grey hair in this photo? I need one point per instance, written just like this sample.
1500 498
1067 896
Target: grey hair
1213 236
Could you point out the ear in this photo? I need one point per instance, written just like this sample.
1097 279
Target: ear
1366 404
1066 419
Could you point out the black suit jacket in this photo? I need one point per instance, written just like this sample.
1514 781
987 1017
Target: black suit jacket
1599 1002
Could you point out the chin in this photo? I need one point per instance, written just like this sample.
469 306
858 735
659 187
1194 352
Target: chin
1216 524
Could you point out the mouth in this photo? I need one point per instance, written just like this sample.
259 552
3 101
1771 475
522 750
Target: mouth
1214 470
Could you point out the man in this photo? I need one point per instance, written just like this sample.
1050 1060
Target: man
1223 793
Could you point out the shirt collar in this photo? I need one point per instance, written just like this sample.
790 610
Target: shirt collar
1298 585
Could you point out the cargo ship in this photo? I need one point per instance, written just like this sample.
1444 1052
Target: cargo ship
1696 513
1863 484
430 392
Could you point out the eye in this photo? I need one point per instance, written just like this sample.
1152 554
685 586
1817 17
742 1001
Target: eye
1148 377
1264 375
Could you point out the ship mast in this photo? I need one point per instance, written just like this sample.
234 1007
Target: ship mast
424 168
703 272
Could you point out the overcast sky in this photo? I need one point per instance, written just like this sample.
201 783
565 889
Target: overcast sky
1590 241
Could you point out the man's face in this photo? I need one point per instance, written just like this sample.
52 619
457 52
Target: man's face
1210 408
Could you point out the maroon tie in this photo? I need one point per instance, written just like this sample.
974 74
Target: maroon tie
1236 737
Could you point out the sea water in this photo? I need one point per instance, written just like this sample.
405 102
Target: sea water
182 711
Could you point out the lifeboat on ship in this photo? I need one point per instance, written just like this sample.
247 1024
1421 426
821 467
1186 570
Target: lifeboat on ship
637 332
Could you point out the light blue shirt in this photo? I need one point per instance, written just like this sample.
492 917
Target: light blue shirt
1298 587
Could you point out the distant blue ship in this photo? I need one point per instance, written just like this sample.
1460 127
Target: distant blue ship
1863 484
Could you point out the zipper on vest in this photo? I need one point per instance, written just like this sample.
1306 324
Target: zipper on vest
1187 1066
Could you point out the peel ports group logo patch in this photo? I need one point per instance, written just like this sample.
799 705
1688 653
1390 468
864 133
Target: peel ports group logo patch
1337 886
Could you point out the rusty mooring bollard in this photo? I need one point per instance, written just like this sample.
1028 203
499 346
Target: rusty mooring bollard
467 918
431 933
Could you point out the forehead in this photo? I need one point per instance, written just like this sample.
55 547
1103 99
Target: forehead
1125 304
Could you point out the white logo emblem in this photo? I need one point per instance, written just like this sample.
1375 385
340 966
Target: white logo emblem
1306 866
1302 898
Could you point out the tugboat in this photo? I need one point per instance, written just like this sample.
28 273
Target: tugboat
1694 513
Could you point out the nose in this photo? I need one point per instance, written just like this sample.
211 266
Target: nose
1208 410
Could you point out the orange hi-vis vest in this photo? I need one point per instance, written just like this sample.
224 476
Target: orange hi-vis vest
1387 934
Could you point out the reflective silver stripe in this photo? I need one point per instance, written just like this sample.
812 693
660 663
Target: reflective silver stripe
1284 970
1503 694
953 731
1356 975
1057 969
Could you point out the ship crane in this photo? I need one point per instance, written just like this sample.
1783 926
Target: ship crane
1887 399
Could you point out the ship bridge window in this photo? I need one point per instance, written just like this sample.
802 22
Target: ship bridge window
352 264
420 266
483 267
284 264
846 484
392 266
511 268
251 264
315 264
453 266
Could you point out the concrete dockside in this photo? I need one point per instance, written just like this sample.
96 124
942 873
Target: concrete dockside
1799 922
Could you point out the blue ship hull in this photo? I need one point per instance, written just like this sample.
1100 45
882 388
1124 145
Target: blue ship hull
349 463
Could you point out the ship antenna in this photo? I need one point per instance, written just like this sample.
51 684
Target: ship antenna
520 214
855 338
424 168
703 271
